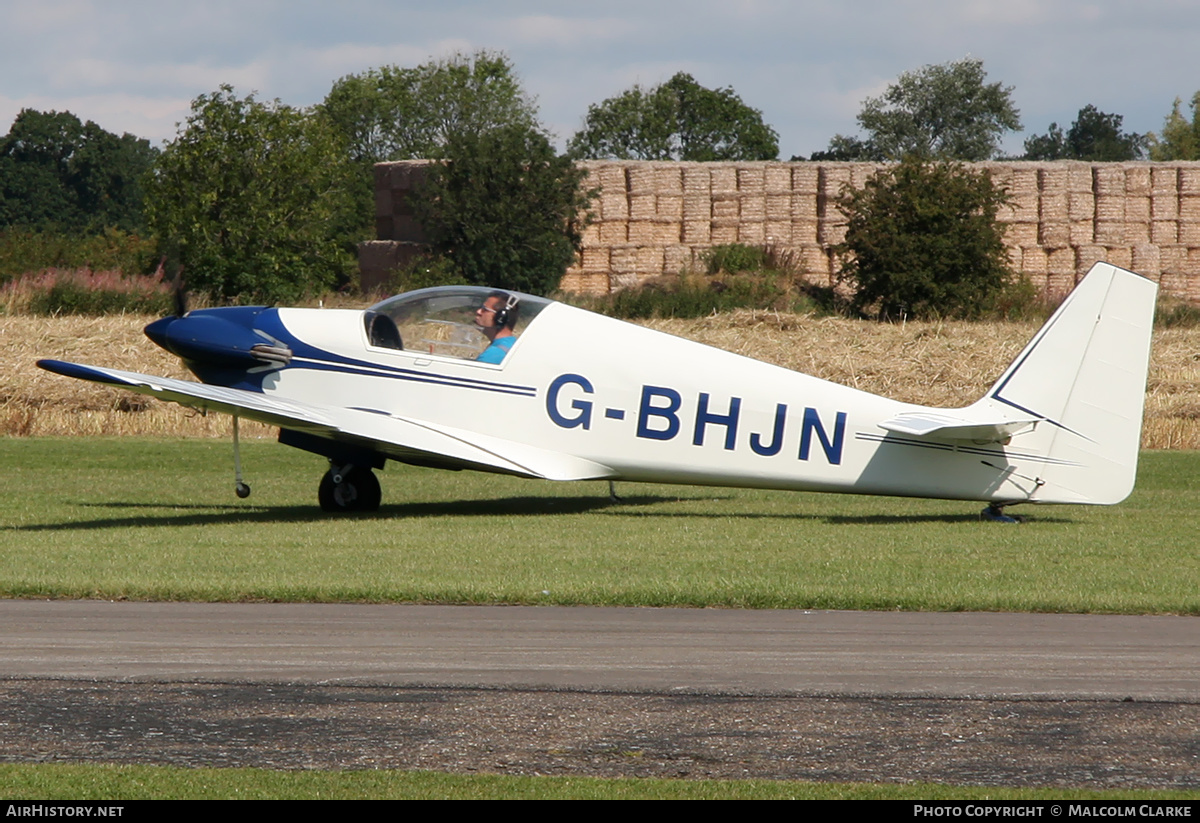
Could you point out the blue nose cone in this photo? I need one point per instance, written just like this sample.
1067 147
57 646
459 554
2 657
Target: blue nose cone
216 337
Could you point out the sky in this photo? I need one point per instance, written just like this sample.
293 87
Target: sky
134 66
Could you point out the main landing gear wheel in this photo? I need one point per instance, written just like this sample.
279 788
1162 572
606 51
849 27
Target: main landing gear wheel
358 491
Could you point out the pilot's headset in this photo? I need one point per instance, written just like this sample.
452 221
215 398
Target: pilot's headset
500 319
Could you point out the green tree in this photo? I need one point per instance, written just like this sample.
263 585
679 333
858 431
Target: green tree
395 113
1094 135
503 209
1180 140
59 174
946 111
923 241
255 200
678 120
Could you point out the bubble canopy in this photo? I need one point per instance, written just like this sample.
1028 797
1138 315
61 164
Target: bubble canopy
441 320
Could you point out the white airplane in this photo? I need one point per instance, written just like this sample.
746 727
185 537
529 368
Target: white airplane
572 395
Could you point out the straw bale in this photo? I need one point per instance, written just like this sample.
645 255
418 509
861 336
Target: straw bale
804 231
1189 208
1189 233
695 212
1032 261
1079 178
667 232
725 207
590 236
1020 182
1173 284
1060 261
724 232
724 178
779 206
1137 209
831 232
804 206
1109 207
753 207
624 259
644 232
1052 179
678 258
697 231
1109 232
1137 180
1119 256
642 206
618 281
1052 207
668 179
816 260
614 231
1051 235
779 232
752 233
1164 232
1137 232
1164 180
641 232
612 179
1082 231
1146 260
596 259
1109 180
1021 234
1024 207
650 260
752 179
1164 206
697 207
860 173
1081 206
832 179
613 205
778 178
670 206
1174 260
642 179
806 178
1086 256
696 179
1189 179
1193 266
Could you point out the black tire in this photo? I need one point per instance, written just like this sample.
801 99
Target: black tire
358 492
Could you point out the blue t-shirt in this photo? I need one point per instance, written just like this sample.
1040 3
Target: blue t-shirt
497 350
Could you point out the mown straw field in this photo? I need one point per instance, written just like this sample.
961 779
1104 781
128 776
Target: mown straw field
935 363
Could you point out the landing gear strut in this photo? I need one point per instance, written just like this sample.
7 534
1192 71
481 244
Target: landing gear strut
349 488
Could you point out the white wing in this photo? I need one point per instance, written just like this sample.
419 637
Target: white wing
400 438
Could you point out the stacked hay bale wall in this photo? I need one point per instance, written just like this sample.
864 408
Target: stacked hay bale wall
658 218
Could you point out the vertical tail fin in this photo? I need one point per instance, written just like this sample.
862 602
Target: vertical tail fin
1084 377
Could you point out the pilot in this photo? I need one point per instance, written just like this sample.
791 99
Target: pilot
496 318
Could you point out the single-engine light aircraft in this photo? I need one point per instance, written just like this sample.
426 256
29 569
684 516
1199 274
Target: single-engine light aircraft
471 378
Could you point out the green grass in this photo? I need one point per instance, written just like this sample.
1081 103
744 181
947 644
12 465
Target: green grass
117 783
157 519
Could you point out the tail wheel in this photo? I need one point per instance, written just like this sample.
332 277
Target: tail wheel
358 491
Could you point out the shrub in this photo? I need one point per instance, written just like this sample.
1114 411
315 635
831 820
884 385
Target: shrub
732 258
923 241
504 210
26 251
83 291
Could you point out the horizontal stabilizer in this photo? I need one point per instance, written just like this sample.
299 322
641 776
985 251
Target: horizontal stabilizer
958 426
